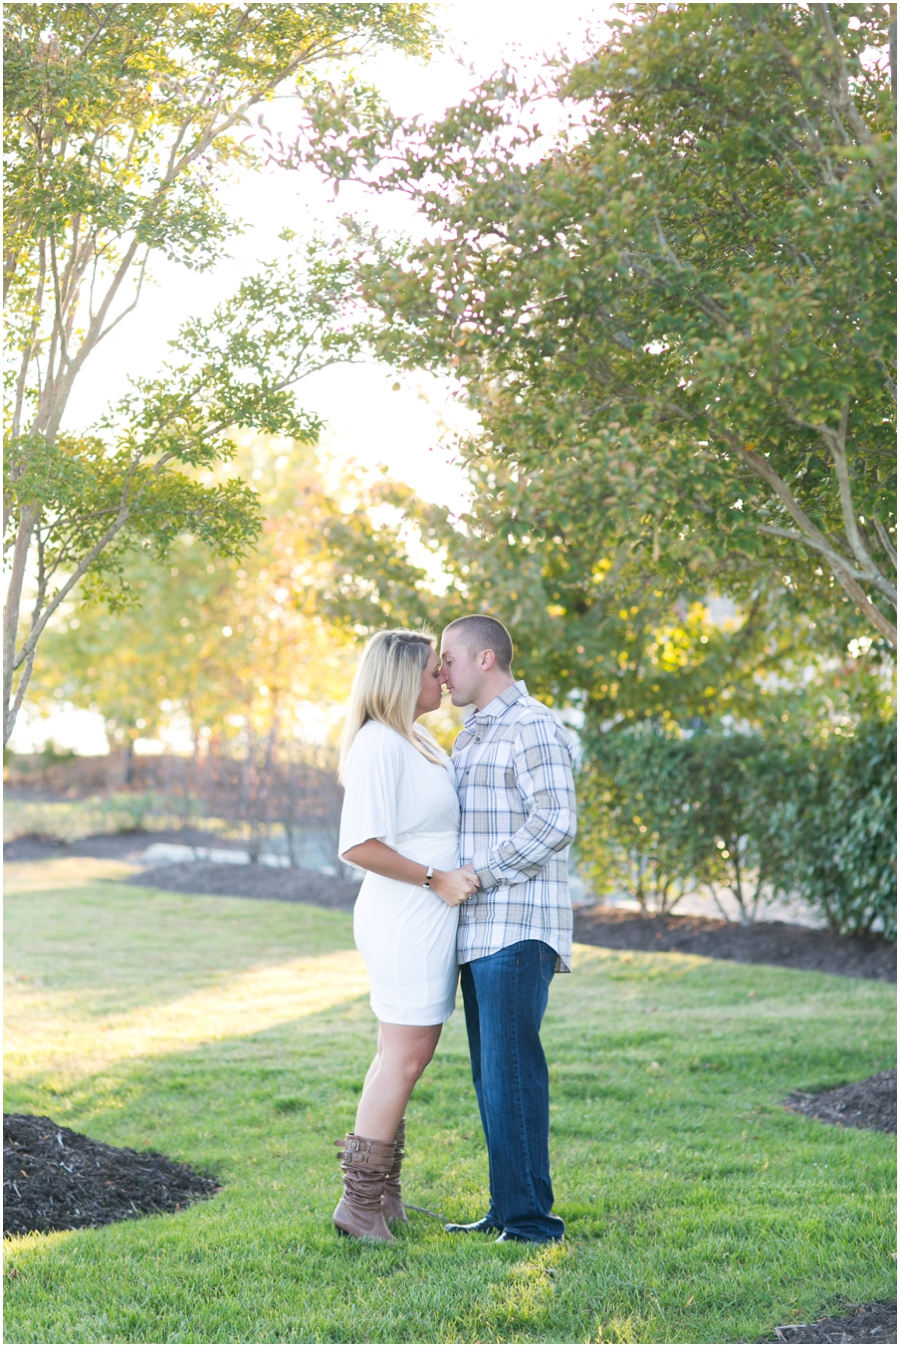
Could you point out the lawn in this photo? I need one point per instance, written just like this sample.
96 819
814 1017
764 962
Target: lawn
234 1035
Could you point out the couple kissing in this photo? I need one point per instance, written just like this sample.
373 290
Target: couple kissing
466 861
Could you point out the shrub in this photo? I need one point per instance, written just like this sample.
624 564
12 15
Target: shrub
661 815
745 815
831 828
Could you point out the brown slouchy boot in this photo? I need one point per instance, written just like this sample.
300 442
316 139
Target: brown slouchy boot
393 1206
365 1162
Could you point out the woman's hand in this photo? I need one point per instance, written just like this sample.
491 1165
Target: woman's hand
455 886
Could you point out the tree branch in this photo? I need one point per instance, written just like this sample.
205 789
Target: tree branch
28 349
13 712
885 540
846 577
836 442
134 303
829 553
843 100
86 561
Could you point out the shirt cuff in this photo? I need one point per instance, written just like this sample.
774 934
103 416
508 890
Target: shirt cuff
488 878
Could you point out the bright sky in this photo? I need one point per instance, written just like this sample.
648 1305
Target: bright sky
366 421
409 431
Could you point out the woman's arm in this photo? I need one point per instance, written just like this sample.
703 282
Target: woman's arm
454 886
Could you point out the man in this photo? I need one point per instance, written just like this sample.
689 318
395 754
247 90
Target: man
513 766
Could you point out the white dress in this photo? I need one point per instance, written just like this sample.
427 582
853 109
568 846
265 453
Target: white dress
405 933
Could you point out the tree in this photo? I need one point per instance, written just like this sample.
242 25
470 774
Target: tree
229 650
237 652
615 650
120 118
678 322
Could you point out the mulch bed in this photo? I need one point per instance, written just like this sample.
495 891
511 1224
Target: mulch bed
871 1104
767 942
57 1179
875 1322
251 881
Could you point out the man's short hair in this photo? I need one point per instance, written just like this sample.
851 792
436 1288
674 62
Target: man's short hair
481 632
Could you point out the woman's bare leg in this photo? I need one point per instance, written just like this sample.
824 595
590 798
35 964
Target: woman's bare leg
404 1051
374 1065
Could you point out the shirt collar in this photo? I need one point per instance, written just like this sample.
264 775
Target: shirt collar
494 710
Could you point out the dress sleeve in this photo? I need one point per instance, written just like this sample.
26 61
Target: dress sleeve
371 786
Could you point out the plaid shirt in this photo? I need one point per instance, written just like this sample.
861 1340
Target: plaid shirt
513 764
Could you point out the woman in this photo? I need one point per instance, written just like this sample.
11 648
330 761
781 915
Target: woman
400 823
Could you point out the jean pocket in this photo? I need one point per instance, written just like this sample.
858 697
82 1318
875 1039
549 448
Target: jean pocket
548 963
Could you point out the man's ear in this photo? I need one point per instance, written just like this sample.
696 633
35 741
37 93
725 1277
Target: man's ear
488 660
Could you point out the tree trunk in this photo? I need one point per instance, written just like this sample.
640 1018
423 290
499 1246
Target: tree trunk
11 614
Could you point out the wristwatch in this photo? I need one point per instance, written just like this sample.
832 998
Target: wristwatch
427 884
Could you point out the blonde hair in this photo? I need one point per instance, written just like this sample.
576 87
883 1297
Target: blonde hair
386 688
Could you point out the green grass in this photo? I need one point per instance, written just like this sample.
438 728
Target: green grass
233 1035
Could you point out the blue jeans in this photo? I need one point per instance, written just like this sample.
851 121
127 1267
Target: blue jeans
505 996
